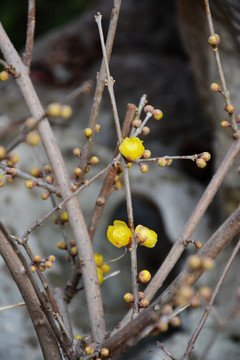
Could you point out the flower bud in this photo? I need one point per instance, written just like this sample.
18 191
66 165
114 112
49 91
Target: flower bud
201 163
105 268
143 167
88 132
146 154
97 128
51 258
144 303
30 184
162 326
136 123
77 152
206 156
144 276
104 352
100 275
37 259
214 39
54 110
205 292
225 124
94 160
47 168
128 297
33 138
157 114
207 263
145 130
4 75
65 111
148 108
77 171
74 251
215 87
62 245
89 350
175 321
195 262
33 268
98 259
3 152
161 162
48 264
230 109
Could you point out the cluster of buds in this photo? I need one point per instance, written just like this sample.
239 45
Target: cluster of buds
142 301
119 234
42 264
156 113
195 262
63 218
58 110
102 268
72 250
202 159
4 75
167 318
162 162
186 295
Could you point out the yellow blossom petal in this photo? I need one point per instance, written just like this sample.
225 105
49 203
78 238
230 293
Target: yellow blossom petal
145 236
132 148
119 234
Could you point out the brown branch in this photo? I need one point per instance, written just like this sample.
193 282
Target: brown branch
77 222
210 304
117 342
27 55
43 330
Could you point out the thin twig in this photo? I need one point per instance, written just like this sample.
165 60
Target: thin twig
27 55
157 353
163 348
225 92
110 81
64 202
24 175
133 246
101 81
3 308
210 304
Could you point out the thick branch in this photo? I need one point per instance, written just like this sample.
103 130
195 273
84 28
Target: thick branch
77 222
43 330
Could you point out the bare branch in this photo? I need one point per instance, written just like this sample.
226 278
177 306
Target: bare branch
27 56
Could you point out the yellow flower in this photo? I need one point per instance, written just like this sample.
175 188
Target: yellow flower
132 148
119 234
145 236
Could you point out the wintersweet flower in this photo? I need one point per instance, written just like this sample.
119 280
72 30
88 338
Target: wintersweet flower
119 234
145 236
132 148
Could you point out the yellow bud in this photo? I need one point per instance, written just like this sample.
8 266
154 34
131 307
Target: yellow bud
145 130
207 263
100 275
98 259
77 152
94 160
36 172
45 195
89 350
65 111
4 75
104 352
3 152
205 292
148 108
77 171
37 259
51 258
62 245
230 109
195 262
144 303
33 268
225 124
214 39
88 132
162 326
105 268
74 251
97 128
161 162
215 87
157 114
54 110
175 321
144 276
48 264
146 154
33 138
128 297
143 167
201 163
30 184
206 156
